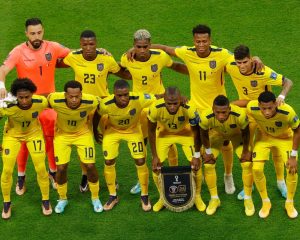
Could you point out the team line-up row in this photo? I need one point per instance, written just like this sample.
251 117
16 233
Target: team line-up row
36 59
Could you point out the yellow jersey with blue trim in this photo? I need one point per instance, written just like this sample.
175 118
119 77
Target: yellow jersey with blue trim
146 76
127 118
250 86
177 123
21 122
236 121
206 74
281 125
92 74
72 121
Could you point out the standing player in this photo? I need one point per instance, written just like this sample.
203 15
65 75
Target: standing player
91 69
35 59
123 109
279 133
22 125
146 68
206 68
73 108
178 124
249 84
225 122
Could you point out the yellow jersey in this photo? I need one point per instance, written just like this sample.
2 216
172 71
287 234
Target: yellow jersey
74 121
178 123
206 74
146 76
236 121
280 125
92 74
125 119
250 86
23 122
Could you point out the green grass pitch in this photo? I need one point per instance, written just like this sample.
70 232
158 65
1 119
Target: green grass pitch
272 31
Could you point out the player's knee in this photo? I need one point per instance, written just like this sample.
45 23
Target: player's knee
6 173
110 162
258 170
89 166
62 169
140 161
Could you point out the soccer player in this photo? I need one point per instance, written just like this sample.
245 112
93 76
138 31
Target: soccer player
146 68
249 84
206 68
21 126
178 124
279 133
73 108
35 59
123 109
226 122
91 68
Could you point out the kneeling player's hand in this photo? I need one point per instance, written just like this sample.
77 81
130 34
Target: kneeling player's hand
292 165
195 164
156 164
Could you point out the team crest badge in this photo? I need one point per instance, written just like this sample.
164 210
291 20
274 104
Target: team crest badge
178 188
212 64
278 124
82 114
100 67
132 112
154 68
6 151
232 125
254 154
253 83
35 114
181 119
48 56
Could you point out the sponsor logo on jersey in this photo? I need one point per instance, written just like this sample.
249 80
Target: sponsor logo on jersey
100 67
278 124
48 56
212 64
154 68
253 83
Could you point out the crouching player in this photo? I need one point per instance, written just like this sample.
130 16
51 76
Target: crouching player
225 122
124 109
178 123
73 108
22 126
279 133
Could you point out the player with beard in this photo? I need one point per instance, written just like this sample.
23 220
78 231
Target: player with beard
35 59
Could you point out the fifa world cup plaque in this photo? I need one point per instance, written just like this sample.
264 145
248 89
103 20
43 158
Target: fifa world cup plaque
177 188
